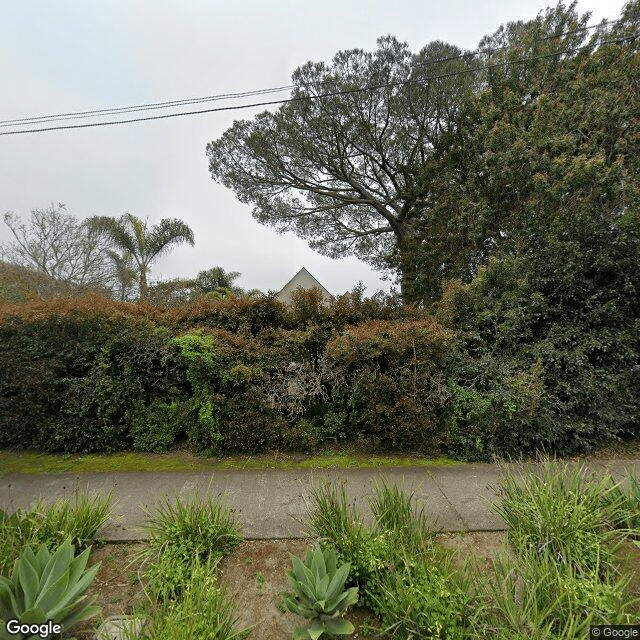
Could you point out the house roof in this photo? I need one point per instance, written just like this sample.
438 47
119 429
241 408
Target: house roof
303 280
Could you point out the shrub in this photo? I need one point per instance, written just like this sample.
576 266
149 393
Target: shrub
548 342
422 601
393 385
158 426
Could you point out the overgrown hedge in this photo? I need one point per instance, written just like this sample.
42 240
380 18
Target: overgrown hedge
539 351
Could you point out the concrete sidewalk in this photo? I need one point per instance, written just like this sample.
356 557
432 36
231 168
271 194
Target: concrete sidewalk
275 504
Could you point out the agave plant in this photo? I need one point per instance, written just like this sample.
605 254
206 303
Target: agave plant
45 588
319 595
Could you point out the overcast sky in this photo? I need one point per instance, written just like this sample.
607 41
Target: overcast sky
60 56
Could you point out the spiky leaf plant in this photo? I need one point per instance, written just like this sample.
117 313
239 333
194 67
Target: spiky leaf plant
319 595
45 586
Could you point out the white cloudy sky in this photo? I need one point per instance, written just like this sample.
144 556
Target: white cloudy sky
59 56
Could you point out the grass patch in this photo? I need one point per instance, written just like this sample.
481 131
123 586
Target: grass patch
564 511
77 518
204 610
29 462
187 538
181 534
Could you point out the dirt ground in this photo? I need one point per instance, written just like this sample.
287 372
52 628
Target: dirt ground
255 574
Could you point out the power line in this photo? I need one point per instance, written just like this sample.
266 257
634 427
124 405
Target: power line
225 96
167 104
141 107
321 95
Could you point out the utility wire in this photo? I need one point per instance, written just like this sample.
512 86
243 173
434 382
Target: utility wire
141 107
226 96
321 95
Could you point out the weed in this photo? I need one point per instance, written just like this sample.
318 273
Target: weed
561 511
78 519
394 514
201 525
205 610
260 580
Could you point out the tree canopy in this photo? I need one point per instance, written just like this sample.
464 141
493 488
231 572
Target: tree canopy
332 164
426 163
545 147
55 244
143 244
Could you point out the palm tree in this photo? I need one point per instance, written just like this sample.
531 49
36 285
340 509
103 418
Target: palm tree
123 271
131 235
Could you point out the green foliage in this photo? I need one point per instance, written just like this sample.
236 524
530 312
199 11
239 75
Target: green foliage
621 502
199 351
409 533
548 345
392 372
537 597
564 512
78 520
205 610
338 525
132 235
170 570
45 586
200 525
319 594
411 589
422 601
541 146
281 161
182 533
74 375
158 426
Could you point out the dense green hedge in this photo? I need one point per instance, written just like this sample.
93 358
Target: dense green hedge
551 344
539 351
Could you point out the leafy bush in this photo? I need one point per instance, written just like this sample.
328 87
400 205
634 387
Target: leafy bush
422 601
549 355
158 426
393 381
